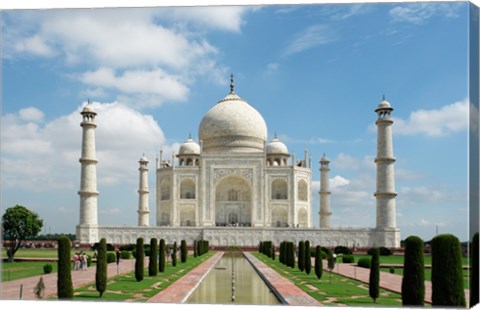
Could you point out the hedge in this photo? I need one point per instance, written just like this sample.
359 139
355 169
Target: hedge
413 281
101 268
64 276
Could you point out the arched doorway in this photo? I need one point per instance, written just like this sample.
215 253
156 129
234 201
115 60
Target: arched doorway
233 202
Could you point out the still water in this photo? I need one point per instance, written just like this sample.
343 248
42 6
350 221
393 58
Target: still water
233 271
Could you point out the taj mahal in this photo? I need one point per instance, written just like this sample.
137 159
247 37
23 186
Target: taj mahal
233 187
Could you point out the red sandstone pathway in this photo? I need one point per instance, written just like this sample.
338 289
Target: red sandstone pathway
388 281
179 291
289 292
11 290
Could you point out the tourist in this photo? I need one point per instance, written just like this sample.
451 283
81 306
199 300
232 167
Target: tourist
84 261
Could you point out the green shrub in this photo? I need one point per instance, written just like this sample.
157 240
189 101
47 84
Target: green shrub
183 251
301 255
64 276
111 258
474 273
348 259
374 279
342 250
413 281
318 262
308 257
447 273
174 254
101 269
153 259
124 254
139 260
47 268
364 262
161 261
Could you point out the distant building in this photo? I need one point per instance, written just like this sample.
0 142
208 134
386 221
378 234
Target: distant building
233 187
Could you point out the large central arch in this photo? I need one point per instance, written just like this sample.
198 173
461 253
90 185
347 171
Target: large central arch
233 202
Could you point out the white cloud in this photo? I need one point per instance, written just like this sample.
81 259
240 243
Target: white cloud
46 157
310 37
448 119
148 56
157 83
338 181
419 13
31 114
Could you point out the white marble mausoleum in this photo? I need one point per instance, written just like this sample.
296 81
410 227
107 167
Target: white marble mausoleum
233 187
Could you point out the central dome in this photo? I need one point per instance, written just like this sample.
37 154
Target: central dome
232 125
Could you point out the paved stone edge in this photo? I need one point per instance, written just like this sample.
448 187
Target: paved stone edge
285 290
186 285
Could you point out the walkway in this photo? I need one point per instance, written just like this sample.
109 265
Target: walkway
388 281
11 290
285 289
179 291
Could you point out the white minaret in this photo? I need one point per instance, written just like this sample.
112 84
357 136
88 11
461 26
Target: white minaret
88 179
143 211
324 193
385 193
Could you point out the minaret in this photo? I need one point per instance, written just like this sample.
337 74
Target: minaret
385 193
88 179
143 211
324 193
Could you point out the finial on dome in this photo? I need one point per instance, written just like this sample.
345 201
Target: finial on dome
232 86
275 136
189 135
383 98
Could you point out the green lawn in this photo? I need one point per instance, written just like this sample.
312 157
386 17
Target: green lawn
20 270
398 259
332 289
40 253
126 288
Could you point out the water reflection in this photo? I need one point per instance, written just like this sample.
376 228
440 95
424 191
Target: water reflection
249 288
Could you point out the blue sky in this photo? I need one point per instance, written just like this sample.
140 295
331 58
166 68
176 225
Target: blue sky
315 72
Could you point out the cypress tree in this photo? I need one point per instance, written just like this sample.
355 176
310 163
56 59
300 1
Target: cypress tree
413 281
318 262
101 267
474 271
174 254
374 280
161 250
139 260
301 255
153 258
281 257
64 275
273 251
194 248
183 251
308 257
292 255
447 273
260 247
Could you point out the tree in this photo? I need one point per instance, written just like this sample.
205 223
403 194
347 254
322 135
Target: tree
331 264
413 281
374 279
308 257
474 271
19 224
183 251
273 251
64 274
153 258
301 255
139 260
194 248
174 254
161 250
318 262
447 273
101 269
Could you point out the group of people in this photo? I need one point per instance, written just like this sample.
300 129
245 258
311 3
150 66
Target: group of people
80 261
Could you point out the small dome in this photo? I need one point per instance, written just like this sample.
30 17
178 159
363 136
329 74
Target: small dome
143 159
277 147
189 147
89 109
384 105
324 159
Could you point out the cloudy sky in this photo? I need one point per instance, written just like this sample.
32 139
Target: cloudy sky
315 72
